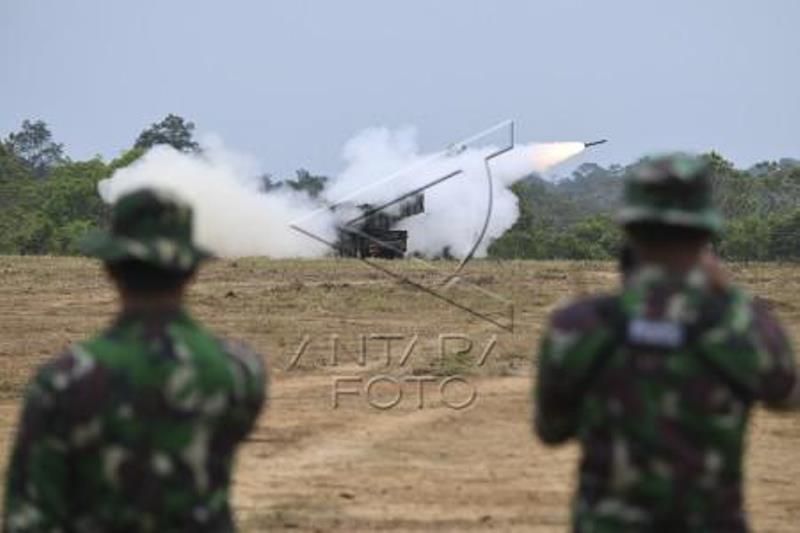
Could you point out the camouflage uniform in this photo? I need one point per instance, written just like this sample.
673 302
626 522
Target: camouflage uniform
656 383
135 429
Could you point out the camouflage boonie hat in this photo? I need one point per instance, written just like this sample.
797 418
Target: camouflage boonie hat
150 226
672 190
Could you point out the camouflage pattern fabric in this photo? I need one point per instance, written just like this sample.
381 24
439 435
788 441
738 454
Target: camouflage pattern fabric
673 190
148 225
134 430
656 383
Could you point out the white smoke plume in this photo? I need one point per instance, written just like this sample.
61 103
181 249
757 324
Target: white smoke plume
455 209
234 218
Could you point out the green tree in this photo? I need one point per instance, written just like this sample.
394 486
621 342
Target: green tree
267 182
26 232
305 181
598 235
784 237
74 194
128 157
71 203
719 165
746 239
172 130
33 145
13 176
12 168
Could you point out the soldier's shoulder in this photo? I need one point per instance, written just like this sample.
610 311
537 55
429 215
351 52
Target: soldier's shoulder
766 322
751 321
72 368
584 314
243 354
746 311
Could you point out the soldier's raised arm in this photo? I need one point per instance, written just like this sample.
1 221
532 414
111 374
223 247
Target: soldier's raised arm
778 386
554 411
576 337
252 385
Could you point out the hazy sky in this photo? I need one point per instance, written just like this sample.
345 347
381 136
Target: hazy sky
290 81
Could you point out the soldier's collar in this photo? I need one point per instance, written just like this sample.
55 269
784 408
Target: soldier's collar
152 315
651 274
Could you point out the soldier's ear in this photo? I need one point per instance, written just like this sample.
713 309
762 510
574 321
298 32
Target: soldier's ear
109 272
112 277
191 276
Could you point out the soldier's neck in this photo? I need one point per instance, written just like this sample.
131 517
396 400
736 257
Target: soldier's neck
674 257
156 303
676 263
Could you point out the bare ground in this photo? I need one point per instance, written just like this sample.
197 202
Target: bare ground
312 467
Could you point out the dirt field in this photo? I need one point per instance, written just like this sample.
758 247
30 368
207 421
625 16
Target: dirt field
356 467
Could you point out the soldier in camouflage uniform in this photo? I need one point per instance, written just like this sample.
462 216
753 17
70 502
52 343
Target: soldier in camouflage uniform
657 381
136 429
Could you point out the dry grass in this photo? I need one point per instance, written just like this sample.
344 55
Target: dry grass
357 468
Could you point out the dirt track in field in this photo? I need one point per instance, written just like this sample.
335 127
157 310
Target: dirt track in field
312 467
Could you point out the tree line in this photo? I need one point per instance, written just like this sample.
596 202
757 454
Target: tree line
573 218
48 201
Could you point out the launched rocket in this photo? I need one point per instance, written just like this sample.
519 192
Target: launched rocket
594 143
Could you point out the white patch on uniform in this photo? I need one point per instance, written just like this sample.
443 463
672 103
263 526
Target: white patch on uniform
60 381
713 461
242 353
112 459
201 514
57 444
162 464
25 517
657 333
215 404
180 388
713 465
85 433
669 404
614 508
623 473
184 259
249 359
677 307
662 468
84 362
196 457
731 420
239 384
742 316
182 351
125 411
167 249
562 342
137 249
697 278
